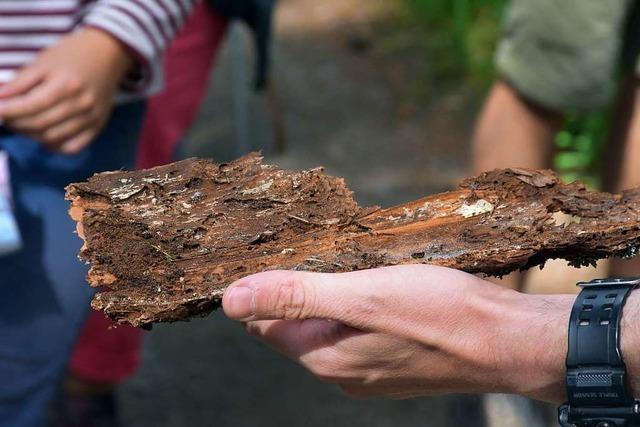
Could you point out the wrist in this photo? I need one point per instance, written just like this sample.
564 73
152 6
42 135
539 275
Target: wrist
117 56
532 343
630 340
529 343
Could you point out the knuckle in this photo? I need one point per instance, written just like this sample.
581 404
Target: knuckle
94 117
37 125
51 136
330 367
87 100
72 84
326 371
293 299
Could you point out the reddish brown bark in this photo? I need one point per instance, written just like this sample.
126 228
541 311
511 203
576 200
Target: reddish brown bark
164 243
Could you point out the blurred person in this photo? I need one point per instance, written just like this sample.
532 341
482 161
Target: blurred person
188 66
558 56
104 356
72 77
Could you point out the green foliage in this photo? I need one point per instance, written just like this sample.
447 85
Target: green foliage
461 37
580 145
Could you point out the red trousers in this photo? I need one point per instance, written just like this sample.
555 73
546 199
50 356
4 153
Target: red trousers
104 353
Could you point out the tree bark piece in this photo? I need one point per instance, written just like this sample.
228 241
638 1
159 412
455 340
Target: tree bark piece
164 243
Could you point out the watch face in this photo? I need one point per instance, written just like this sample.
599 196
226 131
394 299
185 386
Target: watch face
612 281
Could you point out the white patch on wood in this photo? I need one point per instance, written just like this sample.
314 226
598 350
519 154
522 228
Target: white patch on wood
259 189
478 208
126 191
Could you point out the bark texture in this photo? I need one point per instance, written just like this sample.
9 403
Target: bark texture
164 243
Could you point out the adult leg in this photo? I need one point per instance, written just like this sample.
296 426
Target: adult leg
559 55
621 160
512 132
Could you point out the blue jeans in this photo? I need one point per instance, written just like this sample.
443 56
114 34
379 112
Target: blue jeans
44 297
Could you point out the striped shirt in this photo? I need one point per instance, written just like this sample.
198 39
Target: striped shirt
144 26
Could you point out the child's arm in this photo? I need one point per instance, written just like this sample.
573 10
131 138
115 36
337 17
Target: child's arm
65 96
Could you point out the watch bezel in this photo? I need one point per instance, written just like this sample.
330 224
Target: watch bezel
611 281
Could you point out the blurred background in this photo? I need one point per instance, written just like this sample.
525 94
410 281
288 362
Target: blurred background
384 93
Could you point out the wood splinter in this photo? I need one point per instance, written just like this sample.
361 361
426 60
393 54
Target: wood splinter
164 243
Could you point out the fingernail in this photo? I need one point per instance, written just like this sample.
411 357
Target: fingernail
240 303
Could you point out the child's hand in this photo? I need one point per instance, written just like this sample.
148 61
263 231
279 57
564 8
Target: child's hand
65 96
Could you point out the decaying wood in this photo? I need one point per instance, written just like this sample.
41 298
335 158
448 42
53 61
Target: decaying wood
164 243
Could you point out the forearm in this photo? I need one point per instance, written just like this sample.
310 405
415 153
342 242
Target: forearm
535 345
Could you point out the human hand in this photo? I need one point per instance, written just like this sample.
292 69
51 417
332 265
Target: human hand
409 330
64 97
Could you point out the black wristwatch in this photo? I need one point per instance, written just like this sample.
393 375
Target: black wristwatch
596 380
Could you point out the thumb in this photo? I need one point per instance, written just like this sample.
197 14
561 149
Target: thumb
297 295
399 300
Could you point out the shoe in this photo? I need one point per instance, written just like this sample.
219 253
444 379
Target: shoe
83 411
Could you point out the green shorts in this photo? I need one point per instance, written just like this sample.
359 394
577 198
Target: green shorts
566 54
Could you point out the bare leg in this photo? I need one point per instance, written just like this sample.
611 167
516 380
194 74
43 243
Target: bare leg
512 132
621 160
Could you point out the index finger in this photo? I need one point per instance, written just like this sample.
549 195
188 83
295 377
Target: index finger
43 96
297 338
24 81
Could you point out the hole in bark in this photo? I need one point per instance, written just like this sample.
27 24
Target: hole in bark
193 182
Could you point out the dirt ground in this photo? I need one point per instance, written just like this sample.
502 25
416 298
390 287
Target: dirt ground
351 90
